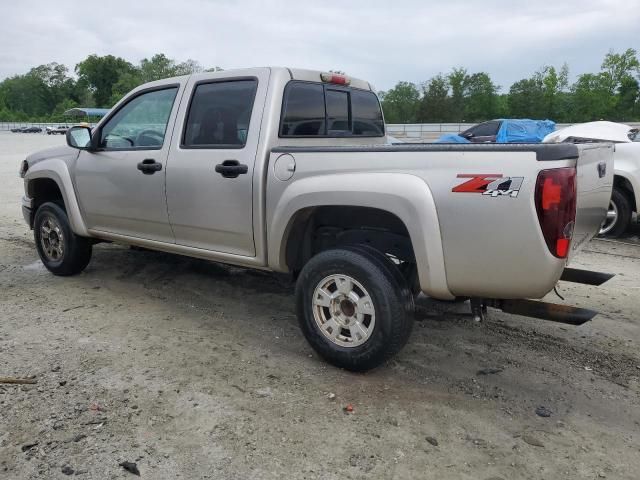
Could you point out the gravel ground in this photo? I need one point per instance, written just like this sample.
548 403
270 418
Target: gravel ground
196 370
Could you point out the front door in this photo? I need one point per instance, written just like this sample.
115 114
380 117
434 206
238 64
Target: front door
210 172
121 187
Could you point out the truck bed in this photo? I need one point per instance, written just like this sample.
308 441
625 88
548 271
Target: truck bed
466 244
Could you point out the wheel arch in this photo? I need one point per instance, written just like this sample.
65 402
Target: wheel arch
50 180
623 183
401 205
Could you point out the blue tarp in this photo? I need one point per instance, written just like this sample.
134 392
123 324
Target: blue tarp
452 138
524 130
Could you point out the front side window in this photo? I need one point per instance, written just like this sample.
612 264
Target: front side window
322 110
219 114
141 123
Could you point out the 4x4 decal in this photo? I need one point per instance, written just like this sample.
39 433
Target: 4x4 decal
494 185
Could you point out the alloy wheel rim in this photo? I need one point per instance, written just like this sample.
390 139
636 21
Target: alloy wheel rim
611 219
343 310
52 239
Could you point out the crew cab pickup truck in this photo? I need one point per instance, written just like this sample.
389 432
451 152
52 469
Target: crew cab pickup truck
289 170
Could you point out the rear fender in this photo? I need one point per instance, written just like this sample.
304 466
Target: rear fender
406 196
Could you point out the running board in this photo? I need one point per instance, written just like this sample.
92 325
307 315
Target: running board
586 277
547 311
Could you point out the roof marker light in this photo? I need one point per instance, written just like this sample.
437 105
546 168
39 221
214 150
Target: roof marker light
330 77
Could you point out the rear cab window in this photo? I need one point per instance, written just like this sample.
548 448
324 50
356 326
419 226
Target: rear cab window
326 110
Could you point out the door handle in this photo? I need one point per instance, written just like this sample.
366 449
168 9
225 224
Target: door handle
231 168
149 166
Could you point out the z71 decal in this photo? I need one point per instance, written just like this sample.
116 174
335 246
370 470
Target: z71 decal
495 185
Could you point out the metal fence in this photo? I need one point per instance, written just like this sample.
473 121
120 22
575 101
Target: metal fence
12 125
403 130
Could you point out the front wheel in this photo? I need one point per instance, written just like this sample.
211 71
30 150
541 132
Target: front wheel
61 251
618 215
353 308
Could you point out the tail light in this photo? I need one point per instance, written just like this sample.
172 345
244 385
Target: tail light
335 78
555 199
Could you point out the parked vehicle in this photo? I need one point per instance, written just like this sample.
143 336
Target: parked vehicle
60 129
26 130
289 170
31 130
509 131
625 197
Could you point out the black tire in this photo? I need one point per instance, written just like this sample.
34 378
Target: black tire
76 250
390 295
623 220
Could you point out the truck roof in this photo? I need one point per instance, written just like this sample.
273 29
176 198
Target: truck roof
314 76
293 73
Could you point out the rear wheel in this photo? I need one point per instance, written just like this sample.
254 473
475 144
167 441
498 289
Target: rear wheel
618 215
353 308
61 251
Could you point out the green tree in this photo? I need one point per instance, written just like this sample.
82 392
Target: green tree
400 104
553 84
616 67
26 94
435 105
481 99
591 98
190 66
628 100
458 79
101 74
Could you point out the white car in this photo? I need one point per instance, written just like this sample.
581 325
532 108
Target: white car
625 199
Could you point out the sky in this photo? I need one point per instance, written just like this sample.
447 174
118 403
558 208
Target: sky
381 41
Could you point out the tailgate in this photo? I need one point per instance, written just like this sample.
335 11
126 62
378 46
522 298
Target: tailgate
594 183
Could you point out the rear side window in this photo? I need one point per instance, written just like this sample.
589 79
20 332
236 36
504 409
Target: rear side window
322 110
219 114
367 115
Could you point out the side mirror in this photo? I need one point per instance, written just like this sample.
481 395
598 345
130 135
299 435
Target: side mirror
79 137
467 135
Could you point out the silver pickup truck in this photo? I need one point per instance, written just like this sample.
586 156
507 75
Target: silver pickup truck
289 170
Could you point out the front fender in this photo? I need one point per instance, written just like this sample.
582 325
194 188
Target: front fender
58 171
406 196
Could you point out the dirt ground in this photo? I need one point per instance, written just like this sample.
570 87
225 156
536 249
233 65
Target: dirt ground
196 370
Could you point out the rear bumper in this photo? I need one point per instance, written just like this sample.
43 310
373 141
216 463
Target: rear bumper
27 210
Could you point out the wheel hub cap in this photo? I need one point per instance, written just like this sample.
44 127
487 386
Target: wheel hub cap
52 239
343 310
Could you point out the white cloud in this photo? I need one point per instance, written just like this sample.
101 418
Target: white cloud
382 41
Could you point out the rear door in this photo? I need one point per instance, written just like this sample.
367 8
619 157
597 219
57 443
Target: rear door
210 172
